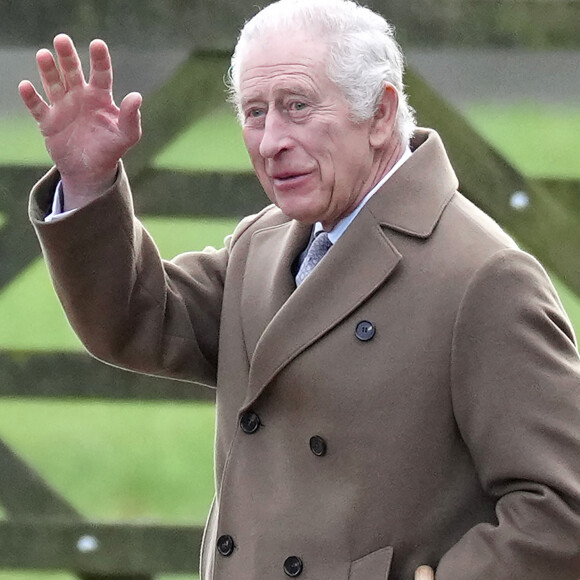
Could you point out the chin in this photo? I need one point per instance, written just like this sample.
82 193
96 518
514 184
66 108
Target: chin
292 207
299 214
299 217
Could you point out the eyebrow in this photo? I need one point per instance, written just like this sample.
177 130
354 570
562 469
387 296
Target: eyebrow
244 101
293 89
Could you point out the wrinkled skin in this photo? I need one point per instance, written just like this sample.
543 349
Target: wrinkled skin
85 132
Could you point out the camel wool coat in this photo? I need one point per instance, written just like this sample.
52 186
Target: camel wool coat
415 401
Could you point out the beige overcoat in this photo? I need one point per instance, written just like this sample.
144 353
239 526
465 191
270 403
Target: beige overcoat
415 401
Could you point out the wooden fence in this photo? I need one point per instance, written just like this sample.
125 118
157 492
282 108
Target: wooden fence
42 530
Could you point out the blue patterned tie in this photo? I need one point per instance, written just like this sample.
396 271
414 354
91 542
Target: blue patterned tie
317 250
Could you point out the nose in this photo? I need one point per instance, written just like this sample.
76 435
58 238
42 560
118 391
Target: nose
275 137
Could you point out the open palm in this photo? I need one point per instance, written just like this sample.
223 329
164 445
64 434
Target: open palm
85 132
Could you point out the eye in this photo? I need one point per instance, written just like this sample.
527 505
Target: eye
297 106
254 116
254 113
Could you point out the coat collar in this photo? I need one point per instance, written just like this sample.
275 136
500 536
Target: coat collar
280 320
413 199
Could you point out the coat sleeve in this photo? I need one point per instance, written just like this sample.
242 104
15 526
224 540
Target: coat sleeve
128 306
516 397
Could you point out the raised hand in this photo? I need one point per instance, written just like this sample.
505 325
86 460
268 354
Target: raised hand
85 132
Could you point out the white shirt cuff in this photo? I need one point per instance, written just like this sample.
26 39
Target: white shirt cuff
58 212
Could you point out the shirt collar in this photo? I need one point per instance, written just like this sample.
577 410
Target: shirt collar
341 226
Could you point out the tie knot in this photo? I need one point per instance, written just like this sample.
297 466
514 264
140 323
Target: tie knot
317 250
321 243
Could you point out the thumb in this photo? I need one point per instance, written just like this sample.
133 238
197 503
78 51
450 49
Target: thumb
130 117
424 573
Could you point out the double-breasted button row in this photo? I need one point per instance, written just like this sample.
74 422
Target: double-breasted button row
292 567
250 422
225 545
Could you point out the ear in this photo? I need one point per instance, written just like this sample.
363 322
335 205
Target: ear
383 124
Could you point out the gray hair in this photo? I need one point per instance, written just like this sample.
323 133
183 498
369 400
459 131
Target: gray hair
363 54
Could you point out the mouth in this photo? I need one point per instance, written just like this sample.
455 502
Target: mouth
286 176
289 179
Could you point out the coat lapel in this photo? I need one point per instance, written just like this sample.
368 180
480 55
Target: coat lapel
291 318
268 282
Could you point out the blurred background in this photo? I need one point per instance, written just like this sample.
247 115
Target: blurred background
509 69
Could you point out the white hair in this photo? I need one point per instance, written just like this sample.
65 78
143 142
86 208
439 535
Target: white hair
363 54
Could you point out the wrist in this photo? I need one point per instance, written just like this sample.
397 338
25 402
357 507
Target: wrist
80 191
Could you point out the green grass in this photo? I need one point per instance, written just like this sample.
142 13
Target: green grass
141 461
212 144
26 144
541 141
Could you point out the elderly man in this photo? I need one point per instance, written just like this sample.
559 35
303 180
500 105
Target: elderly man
398 388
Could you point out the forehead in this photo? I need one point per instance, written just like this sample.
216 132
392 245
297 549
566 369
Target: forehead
284 61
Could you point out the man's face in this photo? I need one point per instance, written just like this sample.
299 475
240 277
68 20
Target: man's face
312 160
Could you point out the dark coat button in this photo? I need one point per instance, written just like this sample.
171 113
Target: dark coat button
250 422
365 330
225 545
318 445
293 566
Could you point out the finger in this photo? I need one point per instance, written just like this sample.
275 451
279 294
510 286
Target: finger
69 62
101 67
424 573
49 75
130 117
33 101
